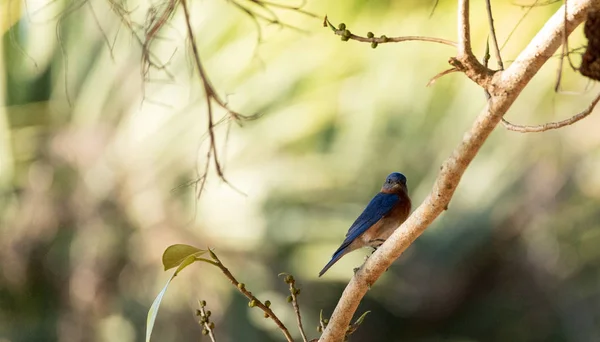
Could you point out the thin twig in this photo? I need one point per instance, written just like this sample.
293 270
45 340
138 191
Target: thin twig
380 40
104 36
488 7
73 6
208 87
205 321
290 8
485 61
438 76
242 288
435 4
564 54
514 29
552 125
486 56
272 17
148 57
210 95
294 292
384 39
537 3
11 32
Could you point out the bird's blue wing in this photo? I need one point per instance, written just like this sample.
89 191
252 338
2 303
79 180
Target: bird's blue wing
379 206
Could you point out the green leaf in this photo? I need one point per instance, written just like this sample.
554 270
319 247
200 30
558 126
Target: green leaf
153 312
174 255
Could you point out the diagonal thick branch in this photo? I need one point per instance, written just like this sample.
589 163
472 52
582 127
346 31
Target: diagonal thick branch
504 88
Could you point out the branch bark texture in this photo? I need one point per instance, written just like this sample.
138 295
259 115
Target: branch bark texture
504 88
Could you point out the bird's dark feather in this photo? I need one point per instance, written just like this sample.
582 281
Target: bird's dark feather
379 206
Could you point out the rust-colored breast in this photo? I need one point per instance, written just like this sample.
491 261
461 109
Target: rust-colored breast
386 226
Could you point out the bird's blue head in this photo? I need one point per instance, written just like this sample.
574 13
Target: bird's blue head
395 182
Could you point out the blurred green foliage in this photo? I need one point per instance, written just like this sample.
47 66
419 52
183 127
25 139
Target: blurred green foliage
91 182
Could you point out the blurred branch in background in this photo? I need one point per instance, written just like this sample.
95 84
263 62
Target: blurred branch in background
159 18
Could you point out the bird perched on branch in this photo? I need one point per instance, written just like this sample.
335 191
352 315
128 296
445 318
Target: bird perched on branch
386 211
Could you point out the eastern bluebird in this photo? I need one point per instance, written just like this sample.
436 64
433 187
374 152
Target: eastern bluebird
386 211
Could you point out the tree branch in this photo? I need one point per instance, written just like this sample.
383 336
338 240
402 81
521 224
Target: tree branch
464 29
552 125
488 7
465 61
265 307
440 75
504 88
207 326
294 292
347 35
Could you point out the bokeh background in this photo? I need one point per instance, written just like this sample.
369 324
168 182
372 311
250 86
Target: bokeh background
97 164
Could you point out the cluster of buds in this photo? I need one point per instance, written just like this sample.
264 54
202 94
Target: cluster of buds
294 291
204 320
346 35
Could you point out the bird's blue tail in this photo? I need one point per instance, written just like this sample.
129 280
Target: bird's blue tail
336 256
